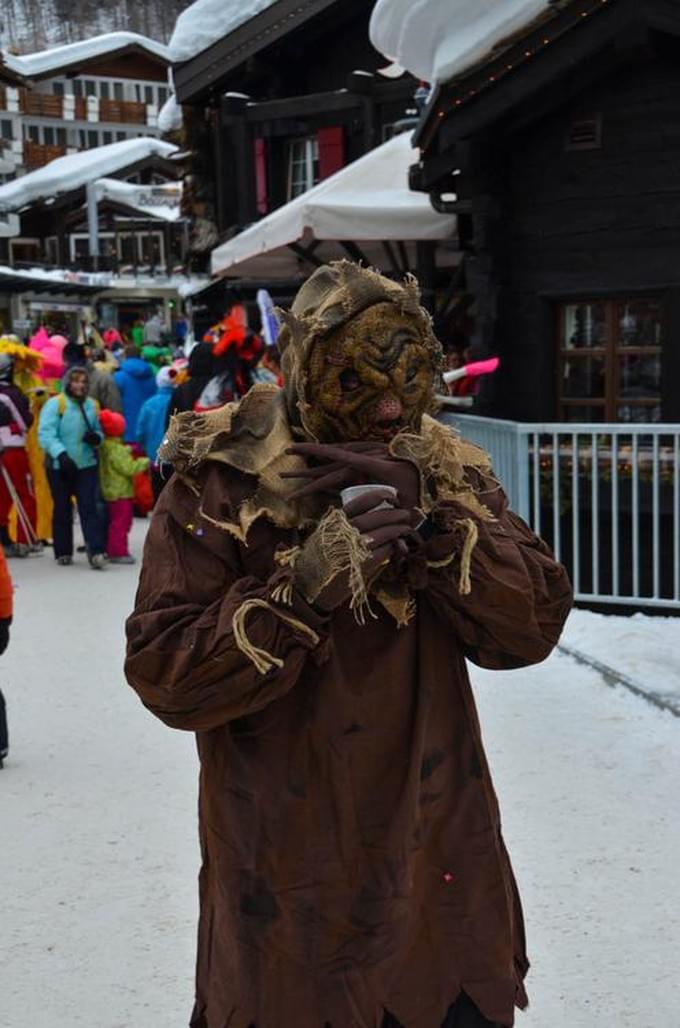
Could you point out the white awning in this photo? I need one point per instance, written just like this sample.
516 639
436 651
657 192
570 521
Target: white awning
368 203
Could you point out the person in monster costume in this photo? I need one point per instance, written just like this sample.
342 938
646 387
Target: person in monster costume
354 873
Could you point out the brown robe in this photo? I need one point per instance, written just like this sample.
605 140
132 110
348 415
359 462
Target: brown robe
352 853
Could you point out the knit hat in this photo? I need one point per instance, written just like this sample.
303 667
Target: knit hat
113 424
166 378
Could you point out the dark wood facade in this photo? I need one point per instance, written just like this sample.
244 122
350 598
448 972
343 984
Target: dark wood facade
287 76
49 225
567 147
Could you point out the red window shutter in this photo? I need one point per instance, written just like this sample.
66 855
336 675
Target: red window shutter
261 176
331 150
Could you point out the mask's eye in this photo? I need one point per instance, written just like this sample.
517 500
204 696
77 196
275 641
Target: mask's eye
349 380
412 371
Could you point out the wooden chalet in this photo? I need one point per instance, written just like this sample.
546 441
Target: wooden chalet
558 154
79 96
285 100
54 229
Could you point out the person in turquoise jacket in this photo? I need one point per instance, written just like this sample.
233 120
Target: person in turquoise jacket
70 435
152 423
117 469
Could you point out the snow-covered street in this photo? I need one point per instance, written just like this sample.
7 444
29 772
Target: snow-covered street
99 854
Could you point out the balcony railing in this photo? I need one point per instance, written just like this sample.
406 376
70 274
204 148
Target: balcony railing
123 111
37 155
45 105
42 105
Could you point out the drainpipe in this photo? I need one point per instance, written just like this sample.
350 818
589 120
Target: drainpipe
92 193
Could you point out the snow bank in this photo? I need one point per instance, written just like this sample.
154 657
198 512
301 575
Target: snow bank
99 844
45 61
170 116
641 647
67 173
207 21
437 40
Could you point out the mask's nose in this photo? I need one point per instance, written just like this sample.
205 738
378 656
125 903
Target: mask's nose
389 409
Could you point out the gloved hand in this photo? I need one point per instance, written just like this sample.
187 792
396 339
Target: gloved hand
355 464
67 466
382 529
92 438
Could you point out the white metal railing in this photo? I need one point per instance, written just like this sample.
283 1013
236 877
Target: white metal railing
606 498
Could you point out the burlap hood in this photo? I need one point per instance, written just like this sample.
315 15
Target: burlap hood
330 298
253 434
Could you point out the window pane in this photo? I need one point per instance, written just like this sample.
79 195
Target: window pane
32 133
583 377
162 95
58 88
120 136
584 326
107 137
640 376
127 249
77 87
118 90
638 414
90 88
48 135
92 139
150 249
583 415
639 323
6 128
148 94
61 136
104 91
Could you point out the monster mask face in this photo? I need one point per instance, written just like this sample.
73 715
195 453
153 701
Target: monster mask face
370 378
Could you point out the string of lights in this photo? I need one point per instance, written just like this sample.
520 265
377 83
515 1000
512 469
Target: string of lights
552 34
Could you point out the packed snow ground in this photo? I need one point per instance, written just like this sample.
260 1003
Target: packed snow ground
99 851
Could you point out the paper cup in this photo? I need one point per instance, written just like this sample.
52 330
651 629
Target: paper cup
352 491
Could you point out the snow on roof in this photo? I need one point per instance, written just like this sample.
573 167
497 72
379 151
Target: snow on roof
437 40
46 61
68 173
170 116
208 21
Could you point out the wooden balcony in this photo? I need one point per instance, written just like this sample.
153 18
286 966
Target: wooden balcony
45 105
122 112
42 105
36 155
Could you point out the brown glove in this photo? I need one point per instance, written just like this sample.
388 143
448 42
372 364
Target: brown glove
343 555
335 467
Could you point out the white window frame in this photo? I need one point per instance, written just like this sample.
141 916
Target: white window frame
303 154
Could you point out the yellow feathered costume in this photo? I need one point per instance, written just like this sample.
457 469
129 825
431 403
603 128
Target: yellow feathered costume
26 364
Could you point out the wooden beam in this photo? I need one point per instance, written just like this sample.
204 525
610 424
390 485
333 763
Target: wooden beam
302 106
355 252
306 254
195 78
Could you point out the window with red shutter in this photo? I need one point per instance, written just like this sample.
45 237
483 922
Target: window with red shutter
331 150
261 197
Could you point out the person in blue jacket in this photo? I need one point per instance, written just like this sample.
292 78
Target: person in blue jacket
70 433
152 423
136 382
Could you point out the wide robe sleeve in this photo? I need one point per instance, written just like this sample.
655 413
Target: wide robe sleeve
519 594
207 643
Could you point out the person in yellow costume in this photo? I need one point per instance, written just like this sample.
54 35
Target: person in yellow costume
27 363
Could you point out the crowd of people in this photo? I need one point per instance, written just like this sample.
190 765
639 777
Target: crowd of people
82 421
